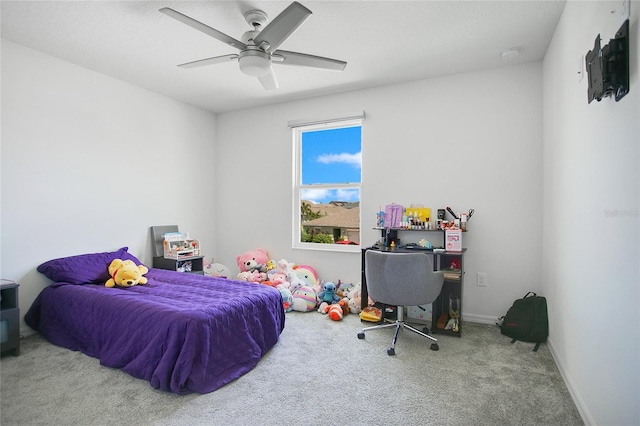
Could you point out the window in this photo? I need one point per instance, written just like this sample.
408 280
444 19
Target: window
326 201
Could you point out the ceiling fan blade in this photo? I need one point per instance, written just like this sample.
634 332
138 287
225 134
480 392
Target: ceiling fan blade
209 61
204 28
269 81
282 26
305 60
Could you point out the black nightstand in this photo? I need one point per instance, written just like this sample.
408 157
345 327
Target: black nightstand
9 318
192 264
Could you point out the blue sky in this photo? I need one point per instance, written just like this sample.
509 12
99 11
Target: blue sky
331 156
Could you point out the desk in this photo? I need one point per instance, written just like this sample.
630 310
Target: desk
451 289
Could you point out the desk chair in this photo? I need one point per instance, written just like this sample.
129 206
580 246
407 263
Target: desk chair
401 279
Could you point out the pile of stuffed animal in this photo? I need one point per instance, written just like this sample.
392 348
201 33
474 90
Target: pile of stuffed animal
299 285
338 300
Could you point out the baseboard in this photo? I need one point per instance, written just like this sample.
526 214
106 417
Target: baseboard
575 395
481 319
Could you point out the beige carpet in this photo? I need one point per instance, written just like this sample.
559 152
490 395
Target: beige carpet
318 373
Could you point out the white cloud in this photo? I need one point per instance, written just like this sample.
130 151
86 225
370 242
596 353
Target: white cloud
347 195
353 159
315 195
322 195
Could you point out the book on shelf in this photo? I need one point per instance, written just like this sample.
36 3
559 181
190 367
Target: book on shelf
451 274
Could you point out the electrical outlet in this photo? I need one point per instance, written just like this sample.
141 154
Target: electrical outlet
482 279
580 68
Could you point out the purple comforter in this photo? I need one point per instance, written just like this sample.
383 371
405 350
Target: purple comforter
181 332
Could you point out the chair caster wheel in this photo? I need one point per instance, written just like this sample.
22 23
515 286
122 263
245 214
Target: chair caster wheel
391 351
425 330
361 335
434 347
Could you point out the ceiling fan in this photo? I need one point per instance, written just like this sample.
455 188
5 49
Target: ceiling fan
259 47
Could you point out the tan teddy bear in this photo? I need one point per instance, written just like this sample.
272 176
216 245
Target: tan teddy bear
125 273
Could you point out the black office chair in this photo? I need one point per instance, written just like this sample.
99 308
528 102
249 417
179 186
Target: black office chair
401 279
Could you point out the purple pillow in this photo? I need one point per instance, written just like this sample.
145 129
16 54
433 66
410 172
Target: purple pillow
92 268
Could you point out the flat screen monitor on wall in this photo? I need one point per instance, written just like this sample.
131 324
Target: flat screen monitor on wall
608 67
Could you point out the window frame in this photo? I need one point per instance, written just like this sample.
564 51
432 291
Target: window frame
298 187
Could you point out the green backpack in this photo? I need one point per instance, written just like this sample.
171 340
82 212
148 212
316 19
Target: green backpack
527 320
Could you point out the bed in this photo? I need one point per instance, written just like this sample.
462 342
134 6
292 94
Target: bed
181 332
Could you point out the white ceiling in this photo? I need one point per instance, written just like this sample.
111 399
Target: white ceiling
384 42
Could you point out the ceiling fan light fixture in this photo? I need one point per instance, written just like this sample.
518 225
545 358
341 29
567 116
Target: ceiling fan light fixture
259 47
254 63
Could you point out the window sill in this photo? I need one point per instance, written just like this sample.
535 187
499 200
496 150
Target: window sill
328 247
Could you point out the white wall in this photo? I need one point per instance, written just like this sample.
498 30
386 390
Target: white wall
468 141
591 158
89 163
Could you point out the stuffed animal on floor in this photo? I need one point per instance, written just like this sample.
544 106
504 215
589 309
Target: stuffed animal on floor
252 277
355 301
125 273
216 270
293 282
254 260
355 306
328 293
307 274
344 304
334 311
277 279
371 313
343 289
287 299
270 265
304 299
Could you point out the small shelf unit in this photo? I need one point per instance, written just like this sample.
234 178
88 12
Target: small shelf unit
175 251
